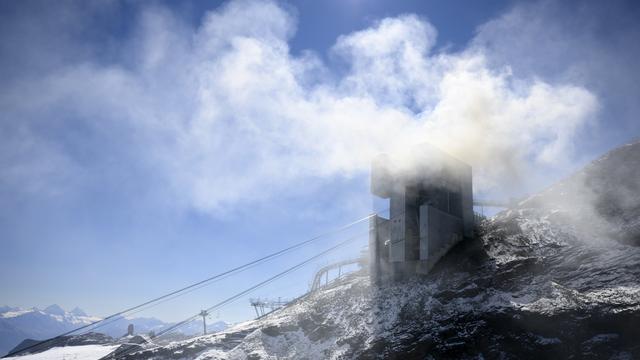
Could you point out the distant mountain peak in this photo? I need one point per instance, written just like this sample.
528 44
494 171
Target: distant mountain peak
6 308
54 309
78 312
18 324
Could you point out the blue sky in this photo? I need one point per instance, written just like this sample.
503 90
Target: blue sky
144 146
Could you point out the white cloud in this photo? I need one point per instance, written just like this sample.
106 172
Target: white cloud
590 44
224 114
502 125
390 62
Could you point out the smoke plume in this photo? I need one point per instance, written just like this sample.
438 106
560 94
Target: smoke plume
224 113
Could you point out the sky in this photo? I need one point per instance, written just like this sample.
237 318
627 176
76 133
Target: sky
148 145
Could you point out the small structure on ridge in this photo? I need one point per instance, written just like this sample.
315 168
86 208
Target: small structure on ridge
430 210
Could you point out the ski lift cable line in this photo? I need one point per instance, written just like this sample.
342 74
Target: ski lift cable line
273 278
100 325
202 285
246 291
210 279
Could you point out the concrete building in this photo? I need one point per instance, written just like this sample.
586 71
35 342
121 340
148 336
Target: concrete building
430 210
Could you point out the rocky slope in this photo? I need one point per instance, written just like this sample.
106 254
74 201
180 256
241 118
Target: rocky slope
602 199
556 276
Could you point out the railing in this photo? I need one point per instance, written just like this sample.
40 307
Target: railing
324 272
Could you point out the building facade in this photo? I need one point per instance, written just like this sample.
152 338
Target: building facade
430 210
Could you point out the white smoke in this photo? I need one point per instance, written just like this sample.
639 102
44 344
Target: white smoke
225 114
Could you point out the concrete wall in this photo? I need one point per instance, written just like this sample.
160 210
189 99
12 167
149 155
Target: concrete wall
431 209
439 232
379 252
467 201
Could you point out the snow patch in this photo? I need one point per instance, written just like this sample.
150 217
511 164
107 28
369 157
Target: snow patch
83 352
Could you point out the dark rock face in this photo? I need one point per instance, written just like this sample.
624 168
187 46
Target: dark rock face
529 297
559 276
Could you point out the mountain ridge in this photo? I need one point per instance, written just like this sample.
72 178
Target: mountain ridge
556 276
538 280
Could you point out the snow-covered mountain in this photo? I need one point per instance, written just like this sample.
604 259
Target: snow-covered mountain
17 324
558 276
